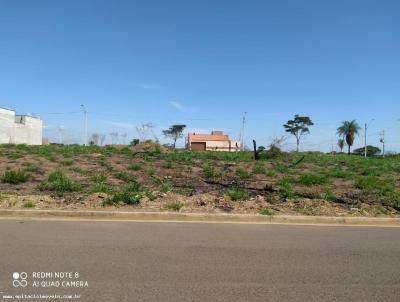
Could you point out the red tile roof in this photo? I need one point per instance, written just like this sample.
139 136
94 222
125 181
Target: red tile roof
207 137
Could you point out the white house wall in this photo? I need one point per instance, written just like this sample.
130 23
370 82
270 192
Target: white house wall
29 132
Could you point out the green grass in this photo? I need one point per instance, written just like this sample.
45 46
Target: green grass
266 211
135 167
14 177
312 179
259 169
102 188
175 206
166 187
211 173
237 193
59 183
67 162
34 168
29 204
129 194
243 174
285 190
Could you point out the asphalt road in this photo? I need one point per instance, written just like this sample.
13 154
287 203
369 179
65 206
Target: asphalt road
137 261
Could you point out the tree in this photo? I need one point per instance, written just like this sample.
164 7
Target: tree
298 126
341 143
349 130
371 151
94 139
174 132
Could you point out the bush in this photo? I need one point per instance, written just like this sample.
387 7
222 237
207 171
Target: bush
237 193
59 184
15 177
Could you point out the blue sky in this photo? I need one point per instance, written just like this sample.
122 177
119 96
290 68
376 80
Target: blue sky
203 63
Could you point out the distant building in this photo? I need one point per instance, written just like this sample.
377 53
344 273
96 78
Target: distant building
216 141
20 129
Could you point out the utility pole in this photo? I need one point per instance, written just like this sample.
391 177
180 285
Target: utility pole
243 123
383 142
60 130
85 139
365 137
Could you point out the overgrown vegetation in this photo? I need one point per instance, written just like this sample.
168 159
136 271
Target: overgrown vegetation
125 176
14 177
59 183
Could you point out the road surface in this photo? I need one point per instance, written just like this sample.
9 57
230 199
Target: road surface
140 261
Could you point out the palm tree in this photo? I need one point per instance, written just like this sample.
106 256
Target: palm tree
349 130
341 142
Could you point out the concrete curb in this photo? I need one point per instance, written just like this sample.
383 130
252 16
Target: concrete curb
196 217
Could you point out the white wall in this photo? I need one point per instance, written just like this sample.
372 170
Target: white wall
29 132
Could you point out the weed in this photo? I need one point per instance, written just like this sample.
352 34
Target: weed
266 211
102 188
99 178
328 195
151 171
124 176
14 177
210 172
312 179
259 169
34 168
243 174
166 187
237 193
29 204
285 190
168 165
67 162
59 183
129 194
135 167
175 206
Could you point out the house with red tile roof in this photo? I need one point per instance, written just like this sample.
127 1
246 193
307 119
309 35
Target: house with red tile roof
216 141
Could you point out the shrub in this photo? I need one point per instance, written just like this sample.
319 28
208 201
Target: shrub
237 193
130 194
59 183
312 179
175 206
14 177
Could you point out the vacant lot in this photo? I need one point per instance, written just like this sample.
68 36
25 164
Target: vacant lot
151 177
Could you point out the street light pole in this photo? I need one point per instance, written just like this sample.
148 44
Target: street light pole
85 125
383 143
365 137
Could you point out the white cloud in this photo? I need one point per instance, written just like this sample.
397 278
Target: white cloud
177 105
122 125
148 86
